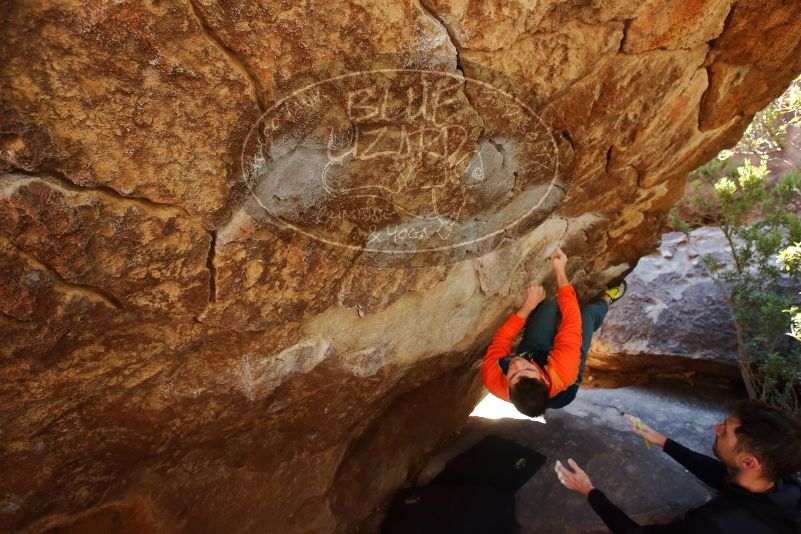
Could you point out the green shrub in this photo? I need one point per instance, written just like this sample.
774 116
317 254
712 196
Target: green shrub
756 213
761 289
790 258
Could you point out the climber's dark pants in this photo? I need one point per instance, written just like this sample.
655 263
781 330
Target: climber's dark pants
539 333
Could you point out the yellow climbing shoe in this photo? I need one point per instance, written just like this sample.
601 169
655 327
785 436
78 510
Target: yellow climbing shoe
616 292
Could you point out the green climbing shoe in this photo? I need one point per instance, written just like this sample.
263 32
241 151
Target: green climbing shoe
616 292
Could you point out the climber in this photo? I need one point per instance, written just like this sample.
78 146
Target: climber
548 366
758 449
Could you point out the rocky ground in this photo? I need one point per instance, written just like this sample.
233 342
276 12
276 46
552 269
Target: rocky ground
645 483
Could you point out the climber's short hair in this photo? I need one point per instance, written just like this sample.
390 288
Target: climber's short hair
530 396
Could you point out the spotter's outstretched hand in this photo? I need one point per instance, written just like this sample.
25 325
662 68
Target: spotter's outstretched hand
648 434
576 480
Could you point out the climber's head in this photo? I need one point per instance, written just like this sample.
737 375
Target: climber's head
528 388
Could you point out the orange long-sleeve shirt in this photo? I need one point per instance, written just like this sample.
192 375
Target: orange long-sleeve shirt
563 362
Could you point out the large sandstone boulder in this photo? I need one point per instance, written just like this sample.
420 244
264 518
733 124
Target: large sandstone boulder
246 290
674 318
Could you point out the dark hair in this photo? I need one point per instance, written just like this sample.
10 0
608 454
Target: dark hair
770 434
530 396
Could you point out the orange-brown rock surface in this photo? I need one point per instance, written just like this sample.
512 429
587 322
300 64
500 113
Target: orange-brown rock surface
244 290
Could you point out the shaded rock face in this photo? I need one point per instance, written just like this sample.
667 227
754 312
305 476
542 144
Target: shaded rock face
673 318
224 305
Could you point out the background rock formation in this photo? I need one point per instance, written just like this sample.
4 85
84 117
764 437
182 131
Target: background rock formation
173 362
674 318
